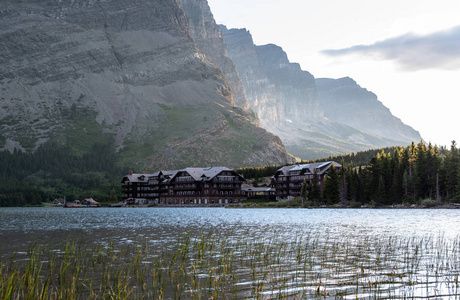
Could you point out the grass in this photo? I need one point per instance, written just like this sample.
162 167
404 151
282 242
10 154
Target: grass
82 131
195 136
212 266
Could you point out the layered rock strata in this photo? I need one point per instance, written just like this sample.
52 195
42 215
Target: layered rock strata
286 100
129 69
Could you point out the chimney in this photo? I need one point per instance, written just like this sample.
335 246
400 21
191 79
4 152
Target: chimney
130 172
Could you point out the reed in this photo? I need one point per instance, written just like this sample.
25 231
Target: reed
215 266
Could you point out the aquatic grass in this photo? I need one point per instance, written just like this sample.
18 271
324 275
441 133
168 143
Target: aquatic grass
215 266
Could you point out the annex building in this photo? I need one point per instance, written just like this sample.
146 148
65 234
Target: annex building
212 186
288 180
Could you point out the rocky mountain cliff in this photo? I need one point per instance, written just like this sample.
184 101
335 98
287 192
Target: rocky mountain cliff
78 72
208 38
344 101
286 100
278 91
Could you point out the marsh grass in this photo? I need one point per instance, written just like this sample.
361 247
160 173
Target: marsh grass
214 266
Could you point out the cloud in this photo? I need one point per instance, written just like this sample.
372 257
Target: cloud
439 50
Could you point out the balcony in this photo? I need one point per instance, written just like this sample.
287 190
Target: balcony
184 179
227 188
227 179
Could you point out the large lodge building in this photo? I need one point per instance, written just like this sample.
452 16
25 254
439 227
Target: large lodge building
189 186
216 186
288 180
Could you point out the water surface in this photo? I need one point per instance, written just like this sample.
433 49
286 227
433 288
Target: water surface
339 253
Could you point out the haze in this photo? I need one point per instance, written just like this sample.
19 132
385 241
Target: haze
406 52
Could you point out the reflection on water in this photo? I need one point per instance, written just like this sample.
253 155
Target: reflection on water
270 253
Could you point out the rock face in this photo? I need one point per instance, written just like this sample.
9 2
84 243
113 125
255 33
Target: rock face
278 91
344 101
309 115
208 38
78 71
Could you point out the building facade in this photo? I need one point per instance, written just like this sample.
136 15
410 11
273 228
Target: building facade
251 192
288 180
213 186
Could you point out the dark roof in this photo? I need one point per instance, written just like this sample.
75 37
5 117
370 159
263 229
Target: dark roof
198 174
136 177
308 168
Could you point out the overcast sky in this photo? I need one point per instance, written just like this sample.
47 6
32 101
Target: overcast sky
407 52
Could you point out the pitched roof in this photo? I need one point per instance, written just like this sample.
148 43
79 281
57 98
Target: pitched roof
198 174
309 168
136 177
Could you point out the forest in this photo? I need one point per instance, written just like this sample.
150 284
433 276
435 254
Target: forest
55 171
391 176
382 177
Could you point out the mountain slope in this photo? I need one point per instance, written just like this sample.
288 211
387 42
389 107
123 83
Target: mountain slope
207 37
285 97
344 101
81 71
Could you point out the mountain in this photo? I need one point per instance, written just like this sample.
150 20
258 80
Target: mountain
344 101
129 72
207 37
303 111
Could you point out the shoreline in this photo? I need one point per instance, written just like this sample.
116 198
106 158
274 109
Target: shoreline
258 205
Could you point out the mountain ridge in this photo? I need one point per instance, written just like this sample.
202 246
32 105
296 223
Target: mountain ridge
76 72
294 105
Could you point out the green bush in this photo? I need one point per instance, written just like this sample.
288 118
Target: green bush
429 202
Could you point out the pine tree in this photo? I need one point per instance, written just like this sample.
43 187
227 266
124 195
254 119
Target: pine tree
457 196
343 191
113 196
397 183
450 167
315 190
304 192
380 195
332 187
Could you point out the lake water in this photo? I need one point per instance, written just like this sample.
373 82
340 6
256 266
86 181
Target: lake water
361 239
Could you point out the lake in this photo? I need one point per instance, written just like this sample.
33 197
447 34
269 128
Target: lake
256 253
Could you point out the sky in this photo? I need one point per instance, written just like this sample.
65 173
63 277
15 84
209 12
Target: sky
406 52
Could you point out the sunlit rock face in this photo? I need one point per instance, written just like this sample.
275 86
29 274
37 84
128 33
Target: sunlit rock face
314 118
208 38
344 101
73 71
277 90
295 90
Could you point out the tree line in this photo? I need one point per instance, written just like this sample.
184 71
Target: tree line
396 175
407 175
376 177
54 171
360 158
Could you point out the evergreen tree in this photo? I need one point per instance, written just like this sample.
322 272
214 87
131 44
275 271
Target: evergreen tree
380 195
304 192
332 187
450 168
343 191
397 191
315 190
457 196
113 196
